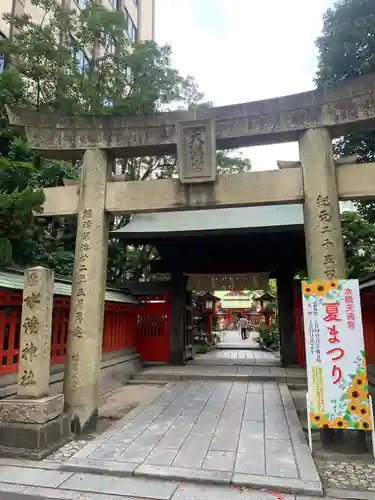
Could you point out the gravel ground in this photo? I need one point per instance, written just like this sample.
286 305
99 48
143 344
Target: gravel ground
338 471
353 474
67 451
113 406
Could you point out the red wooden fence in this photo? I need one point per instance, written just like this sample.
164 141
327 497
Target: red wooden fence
119 329
368 318
298 321
10 320
60 319
153 330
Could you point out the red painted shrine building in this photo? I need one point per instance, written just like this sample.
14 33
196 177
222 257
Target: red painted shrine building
257 307
252 243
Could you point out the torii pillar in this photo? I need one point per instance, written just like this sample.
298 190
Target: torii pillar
325 250
83 358
285 299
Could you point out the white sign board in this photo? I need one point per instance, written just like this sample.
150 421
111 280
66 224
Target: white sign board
335 357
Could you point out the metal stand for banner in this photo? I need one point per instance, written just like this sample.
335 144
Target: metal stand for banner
309 423
372 425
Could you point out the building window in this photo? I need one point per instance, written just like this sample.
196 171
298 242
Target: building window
80 57
82 61
81 4
130 29
108 103
111 45
129 74
2 58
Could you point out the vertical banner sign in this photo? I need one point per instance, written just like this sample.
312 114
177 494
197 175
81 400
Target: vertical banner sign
336 366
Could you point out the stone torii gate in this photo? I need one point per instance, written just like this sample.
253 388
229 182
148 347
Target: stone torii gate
311 118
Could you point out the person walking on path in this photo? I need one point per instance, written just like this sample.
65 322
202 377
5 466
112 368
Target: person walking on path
242 323
221 324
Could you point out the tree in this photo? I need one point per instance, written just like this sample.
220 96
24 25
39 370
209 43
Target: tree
81 61
359 241
272 287
23 239
17 201
77 61
346 49
347 45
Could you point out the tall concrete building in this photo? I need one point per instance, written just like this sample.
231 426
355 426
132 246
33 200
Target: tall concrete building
140 14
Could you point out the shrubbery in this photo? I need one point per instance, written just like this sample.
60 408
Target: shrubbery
202 343
269 336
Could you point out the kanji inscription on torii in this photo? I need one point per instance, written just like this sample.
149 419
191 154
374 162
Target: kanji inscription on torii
196 151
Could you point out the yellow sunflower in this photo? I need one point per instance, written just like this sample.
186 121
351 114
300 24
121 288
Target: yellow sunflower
365 424
359 382
308 289
317 419
339 423
332 285
321 289
355 393
354 407
364 411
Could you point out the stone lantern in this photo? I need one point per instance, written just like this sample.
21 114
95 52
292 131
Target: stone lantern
209 306
264 303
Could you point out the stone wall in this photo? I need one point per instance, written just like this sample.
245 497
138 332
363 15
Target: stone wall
116 368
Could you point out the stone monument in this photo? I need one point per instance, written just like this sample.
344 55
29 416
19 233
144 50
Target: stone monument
32 424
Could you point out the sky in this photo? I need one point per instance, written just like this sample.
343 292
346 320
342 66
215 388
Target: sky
245 50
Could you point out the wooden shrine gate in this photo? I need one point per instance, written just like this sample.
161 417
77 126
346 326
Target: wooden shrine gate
153 329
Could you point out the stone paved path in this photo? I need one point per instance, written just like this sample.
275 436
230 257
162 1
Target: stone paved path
228 364
236 357
42 484
231 339
41 481
204 370
246 433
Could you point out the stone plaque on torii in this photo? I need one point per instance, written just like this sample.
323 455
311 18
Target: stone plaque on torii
311 118
196 151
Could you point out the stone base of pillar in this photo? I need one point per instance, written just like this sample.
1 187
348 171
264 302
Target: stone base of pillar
90 425
33 428
344 441
177 358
